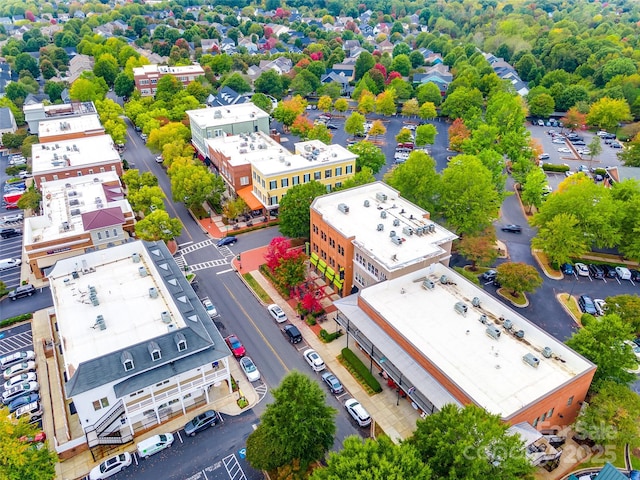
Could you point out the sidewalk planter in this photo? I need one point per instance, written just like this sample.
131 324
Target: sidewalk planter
360 371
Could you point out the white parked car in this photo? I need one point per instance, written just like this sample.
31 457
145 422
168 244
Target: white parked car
358 412
19 368
314 360
16 217
277 313
581 269
584 151
600 305
558 140
111 466
154 444
210 308
23 377
249 368
564 150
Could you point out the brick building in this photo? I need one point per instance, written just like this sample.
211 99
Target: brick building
146 77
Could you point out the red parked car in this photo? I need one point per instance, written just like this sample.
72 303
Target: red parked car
236 347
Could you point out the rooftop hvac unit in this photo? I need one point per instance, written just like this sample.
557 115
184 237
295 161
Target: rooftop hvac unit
171 328
100 323
92 290
483 319
153 292
546 352
73 202
392 233
380 227
419 231
217 114
135 257
520 334
288 164
396 240
381 197
444 280
165 317
531 359
407 230
75 212
428 284
475 302
96 180
432 227
243 150
493 332
94 300
461 308
343 207
508 324
72 193
366 203
142 271
281 158
396 222
383 214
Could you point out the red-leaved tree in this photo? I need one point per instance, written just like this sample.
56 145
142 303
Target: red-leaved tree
276 251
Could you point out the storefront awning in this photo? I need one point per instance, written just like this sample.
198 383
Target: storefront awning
247 195
322 265
314 259
338 283
330 273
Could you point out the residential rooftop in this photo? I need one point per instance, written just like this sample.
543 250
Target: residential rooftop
227 115
82 124
77 152
66 202
118 281
488 361
166 69
372 212
271 158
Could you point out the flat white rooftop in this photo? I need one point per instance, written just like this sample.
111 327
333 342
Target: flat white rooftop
78 152
166 69
491 371
64 202
82 124
117 282
270 158
372 225
217 116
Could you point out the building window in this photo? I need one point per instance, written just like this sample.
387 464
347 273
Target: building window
306 178
338 171
570 401
273 200
244 181
218 133
360 279
317 175
156 355
341 250
154 81
182 345
115 232
91 171
144 82
254 176
55 177
550 413
273 184
113 168
535 423
43 179
295 180
128 365
102 403
349 169
284 182
338 184
106 233
101 169
327 173
99 236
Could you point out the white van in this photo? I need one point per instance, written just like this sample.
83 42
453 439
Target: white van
623 273
9 263
154 444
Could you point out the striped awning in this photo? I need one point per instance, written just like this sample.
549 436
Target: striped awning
338 283
314 259
322 265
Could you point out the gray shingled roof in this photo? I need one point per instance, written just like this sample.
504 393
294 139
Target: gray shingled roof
5 119
204 342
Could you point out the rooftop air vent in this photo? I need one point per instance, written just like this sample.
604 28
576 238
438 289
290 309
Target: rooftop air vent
461 308
380 227
546 352
520 334
508 324
532 360
483 319
142 271
493 332
343 207
396 222
407 230
383 214
153 292
475 302
428 284
135 257
75 212
392 233
381 197
366 203
100 323
396 240
217 114
165 317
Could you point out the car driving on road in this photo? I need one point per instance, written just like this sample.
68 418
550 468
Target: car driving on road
512 228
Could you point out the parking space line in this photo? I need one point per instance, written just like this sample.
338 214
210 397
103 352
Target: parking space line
205 474
179 436
235 466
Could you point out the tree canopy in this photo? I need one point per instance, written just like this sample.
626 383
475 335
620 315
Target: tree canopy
294 210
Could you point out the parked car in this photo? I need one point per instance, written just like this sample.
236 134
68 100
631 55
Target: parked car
201 422
7 263
39 437
21 378
332 126
235 346
10 232
249 368
226 241
596 271
332 382
292 333
586 305
600 305
358 412
635 274
277 313
567 269
582 270
154 444
609 271
24 400
564 150
19 390
18 368
512 228
22 291
210 308
159 159
111 466
314 360
15 358
558 141
543 156
489 275
31 411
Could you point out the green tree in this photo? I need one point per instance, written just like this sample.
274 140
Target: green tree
270 83
123 85
146 199
607 112
561 239
168 133
595 147
237 82
54 90
410 108
366 102
362 177
107 67
425 134
630 155
325 103
428 111
533 188
27 144
319 132
470 443
16 92
402 65
542 105
297 426
158 226
373 459
627 307
463 103
168 87
518 277
341 105
369 155
261 101
305 83
30 200
469 199
332 89
294 211
429 92
19 459
404 135
612 415
193 184
364 63
24 61
603 342
479 249
85 90
386 102
134 180
417 180
47 69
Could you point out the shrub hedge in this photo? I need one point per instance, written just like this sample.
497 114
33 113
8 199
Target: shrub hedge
327 337
550 167
17 319
361 369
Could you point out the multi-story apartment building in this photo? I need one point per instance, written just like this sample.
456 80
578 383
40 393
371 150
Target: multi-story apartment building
37 112
146 77
79 214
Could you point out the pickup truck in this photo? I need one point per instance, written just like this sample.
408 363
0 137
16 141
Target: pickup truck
291 333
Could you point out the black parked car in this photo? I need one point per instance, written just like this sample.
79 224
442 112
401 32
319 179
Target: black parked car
635 275
609 271
586 305
596 271
10 232
201 422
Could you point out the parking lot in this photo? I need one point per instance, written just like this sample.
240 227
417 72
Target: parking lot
11 248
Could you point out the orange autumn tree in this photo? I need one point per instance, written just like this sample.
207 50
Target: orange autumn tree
458 133
301 126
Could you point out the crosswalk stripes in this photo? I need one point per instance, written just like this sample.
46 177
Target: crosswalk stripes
196 246
209 264
180 261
